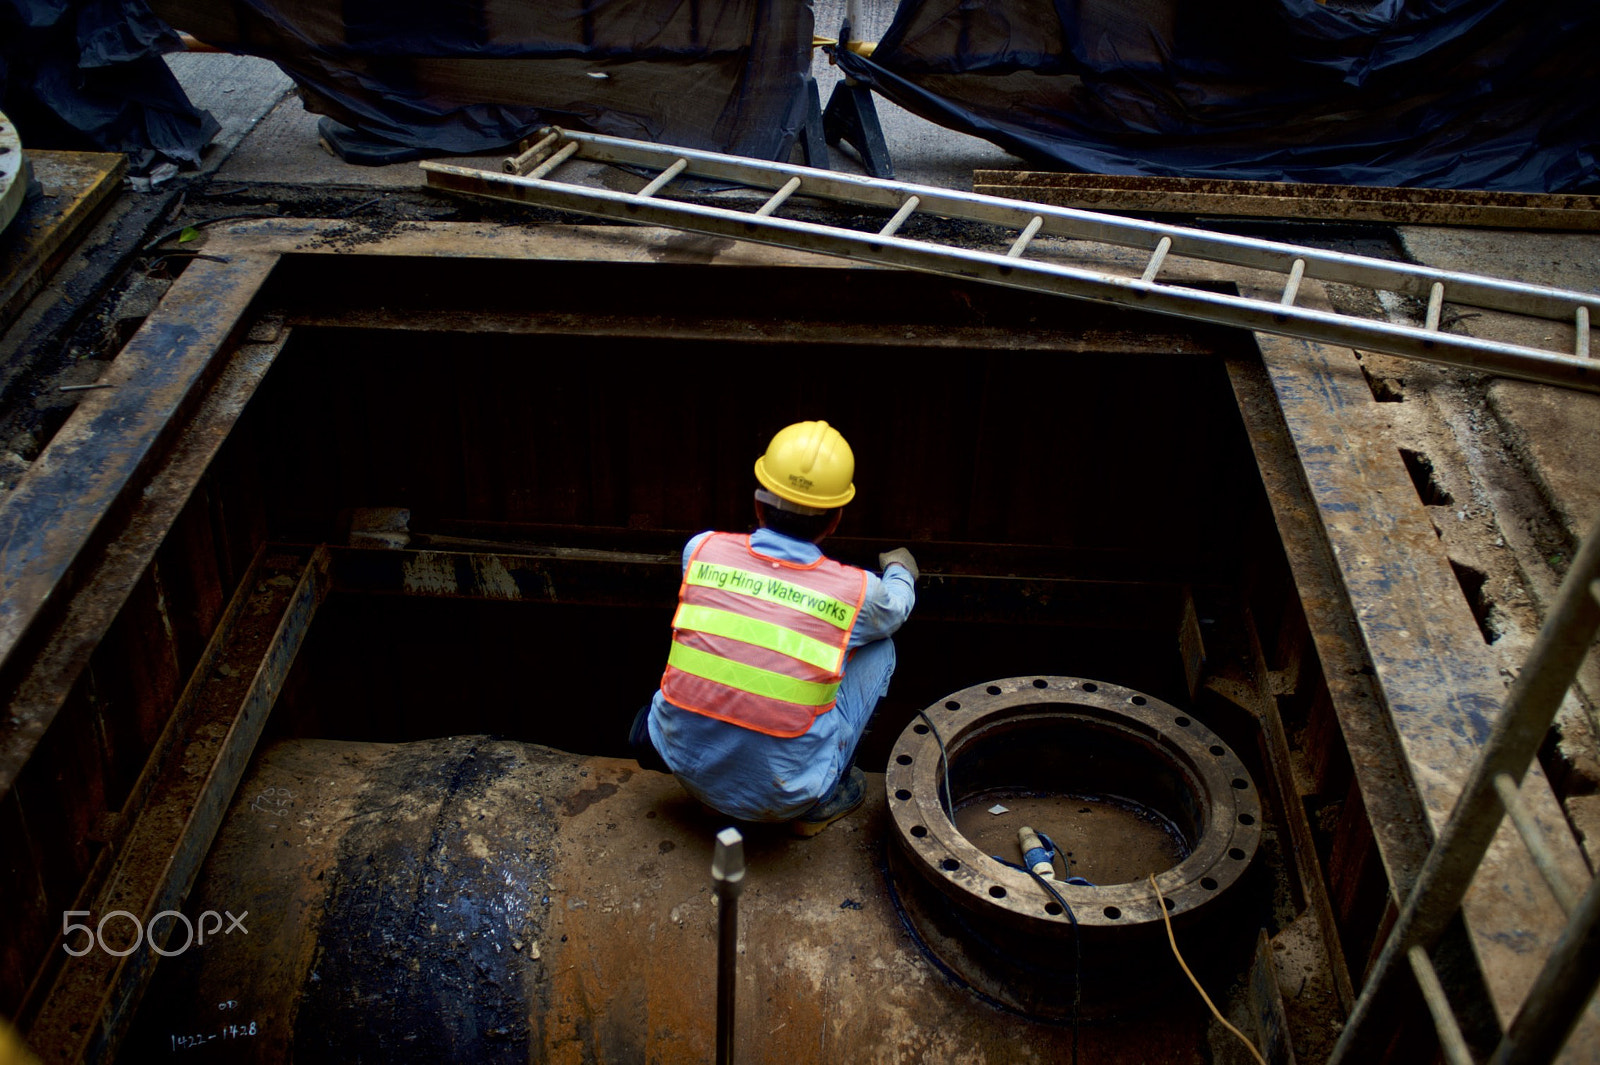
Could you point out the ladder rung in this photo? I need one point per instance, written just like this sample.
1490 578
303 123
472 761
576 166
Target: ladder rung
1451 1040
516 164
893 225
1582 325
1020 245
661 179
1291 291
1533 836
1157 257
1435 306
567 151
776 199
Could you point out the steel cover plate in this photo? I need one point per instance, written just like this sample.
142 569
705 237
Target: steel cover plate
13 175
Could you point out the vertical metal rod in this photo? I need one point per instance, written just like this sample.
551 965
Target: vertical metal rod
892 226
1451 1040
778 197
516 164
662 178
1435 306
1530 707
1156 257
1561 992
554 161
727 877
1292 289
1020 245
1582 348
1533 836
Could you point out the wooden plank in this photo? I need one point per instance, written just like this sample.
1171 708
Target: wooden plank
1299 202
76 186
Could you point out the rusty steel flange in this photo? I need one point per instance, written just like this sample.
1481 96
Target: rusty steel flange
992 924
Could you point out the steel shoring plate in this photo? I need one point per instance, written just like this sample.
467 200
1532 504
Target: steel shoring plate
13 175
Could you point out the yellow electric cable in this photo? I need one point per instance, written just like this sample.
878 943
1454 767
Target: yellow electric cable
1167 920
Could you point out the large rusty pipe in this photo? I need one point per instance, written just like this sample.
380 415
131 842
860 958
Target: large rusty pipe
474 899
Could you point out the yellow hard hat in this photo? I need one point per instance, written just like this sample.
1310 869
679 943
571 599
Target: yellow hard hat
809 463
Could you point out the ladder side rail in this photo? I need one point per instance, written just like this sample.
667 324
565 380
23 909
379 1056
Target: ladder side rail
1405 278
1560 993
1513 743
1451 1042
1200 304
1538 843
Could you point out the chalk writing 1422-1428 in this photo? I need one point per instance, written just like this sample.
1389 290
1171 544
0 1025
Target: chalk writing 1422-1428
226 1032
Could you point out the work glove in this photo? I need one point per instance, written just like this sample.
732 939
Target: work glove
902 556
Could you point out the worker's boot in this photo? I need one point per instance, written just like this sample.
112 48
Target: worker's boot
849 793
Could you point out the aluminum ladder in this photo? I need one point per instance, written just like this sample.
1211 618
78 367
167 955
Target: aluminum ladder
526 178
1568 978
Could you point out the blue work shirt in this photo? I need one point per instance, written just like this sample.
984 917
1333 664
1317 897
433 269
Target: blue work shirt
752 776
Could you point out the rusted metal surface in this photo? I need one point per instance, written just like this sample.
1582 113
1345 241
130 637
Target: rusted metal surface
1368 731
41 234
102 455
993 924
93 695
484 900
1489 793
56 666
1300 202
1246 691
211 737
1440 687
1272 1026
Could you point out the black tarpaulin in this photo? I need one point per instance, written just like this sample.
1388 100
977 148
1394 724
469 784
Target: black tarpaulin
1479 94
88 74
465 76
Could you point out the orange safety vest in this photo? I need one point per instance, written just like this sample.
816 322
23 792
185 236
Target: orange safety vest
757 641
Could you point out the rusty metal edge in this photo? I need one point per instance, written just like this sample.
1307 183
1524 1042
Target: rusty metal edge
1358 700
629 579
41 691
1266 1001
94 998
1265 708
1156 336
1311 202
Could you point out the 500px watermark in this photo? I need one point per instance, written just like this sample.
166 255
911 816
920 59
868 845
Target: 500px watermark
97 933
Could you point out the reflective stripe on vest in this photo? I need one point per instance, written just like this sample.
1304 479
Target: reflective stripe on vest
759 642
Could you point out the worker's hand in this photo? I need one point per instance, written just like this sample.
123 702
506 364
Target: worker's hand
903 557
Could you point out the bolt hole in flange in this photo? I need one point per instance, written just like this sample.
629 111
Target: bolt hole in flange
1126 785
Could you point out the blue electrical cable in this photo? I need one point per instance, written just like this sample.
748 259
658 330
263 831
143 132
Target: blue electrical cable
1077 938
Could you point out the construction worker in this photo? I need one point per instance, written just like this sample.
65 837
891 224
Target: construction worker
779 654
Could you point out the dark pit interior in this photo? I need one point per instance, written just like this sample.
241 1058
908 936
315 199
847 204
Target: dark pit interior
1068 514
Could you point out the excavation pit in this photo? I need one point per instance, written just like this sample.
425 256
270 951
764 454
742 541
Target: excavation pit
1060 754
548 478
